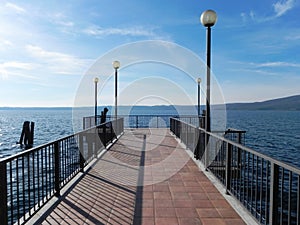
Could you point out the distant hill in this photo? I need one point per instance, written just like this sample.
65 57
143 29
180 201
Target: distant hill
291 103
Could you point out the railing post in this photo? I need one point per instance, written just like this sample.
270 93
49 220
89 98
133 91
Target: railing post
117 130
3 193
121 126
176 128
239 157
206 150
186 135
90 146
56 169
119 122
96 145
112 132
104 134
228 167
179 129
81 152
274 183
197 149
240 137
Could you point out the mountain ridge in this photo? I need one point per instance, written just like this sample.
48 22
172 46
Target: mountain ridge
290 103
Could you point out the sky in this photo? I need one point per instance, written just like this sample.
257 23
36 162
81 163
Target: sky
47 50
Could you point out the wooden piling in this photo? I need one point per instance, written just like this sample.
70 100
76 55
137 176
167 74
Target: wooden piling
27 134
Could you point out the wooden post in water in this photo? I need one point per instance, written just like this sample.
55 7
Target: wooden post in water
27 134
31 133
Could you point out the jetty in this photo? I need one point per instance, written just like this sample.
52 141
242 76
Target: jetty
112 173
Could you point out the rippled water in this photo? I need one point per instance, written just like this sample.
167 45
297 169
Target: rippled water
275 133
50 124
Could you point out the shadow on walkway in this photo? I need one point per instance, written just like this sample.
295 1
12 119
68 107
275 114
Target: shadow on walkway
145 178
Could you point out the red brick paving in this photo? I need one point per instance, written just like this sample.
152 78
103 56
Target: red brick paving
168 189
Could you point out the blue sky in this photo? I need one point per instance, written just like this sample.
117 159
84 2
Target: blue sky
46 47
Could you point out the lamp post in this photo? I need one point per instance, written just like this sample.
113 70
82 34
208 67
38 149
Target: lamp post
116 65
96 80
199 95
208 19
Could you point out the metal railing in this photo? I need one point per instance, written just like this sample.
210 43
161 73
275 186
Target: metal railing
28 180
268 189
145 121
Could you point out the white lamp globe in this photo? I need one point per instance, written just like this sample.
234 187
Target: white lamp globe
116 64
208 18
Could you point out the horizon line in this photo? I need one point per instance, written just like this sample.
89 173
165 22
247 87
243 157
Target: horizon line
218 104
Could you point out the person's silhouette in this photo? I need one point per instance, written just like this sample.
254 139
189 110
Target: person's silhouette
103 115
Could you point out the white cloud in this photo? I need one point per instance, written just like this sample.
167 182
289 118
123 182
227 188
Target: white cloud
15 7
5 43
58 62
252 15
66 23
61 19
277 64
252 65
282 7
254 71
129 31
14 68
293 37
17 65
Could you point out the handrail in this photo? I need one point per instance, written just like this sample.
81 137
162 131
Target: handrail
28 180
145 121
238 145
268 188
26 151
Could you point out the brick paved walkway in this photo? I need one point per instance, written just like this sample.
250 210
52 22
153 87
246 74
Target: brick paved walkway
145 178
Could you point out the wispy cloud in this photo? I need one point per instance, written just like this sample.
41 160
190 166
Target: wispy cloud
265 64
279 9
254 71
293 37
14 68
58 62
277 64
61 19
14 7
5 43
282 7
137 31
264 68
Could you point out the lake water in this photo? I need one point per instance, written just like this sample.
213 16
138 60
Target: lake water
50 124
275 133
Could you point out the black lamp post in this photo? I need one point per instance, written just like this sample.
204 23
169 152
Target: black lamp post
116 65
199 95
96 80
208 19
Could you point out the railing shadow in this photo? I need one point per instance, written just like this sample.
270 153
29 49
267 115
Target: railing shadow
107 193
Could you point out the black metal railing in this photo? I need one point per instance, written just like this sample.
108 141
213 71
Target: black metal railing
28 180
145 121
268 189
